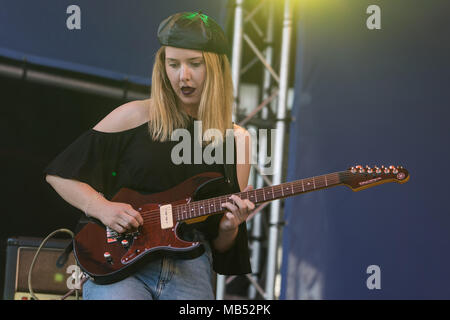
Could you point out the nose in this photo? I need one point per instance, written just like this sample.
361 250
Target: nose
185 73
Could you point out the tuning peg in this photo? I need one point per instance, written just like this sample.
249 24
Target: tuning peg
391 167
358 166
386 170
378 170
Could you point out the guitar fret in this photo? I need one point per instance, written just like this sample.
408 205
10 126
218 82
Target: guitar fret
210 206
287 188
214 205
282 187
220 202
252 196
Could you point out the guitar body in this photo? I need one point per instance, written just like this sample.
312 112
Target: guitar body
109 258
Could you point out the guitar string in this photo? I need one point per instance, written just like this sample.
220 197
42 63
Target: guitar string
244 195
196 206
259 193
153 216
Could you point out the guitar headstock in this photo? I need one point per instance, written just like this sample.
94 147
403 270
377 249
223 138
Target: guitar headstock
359 177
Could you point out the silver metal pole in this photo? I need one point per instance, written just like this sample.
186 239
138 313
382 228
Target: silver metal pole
277 155
260 56
237 53
262 150
56 80
235 73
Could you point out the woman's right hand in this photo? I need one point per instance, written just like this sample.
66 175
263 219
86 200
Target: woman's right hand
120 217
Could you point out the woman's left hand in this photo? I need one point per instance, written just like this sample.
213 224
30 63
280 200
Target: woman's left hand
237 213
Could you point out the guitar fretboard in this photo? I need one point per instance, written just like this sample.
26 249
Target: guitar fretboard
214 205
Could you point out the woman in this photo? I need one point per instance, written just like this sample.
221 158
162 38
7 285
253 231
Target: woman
131 147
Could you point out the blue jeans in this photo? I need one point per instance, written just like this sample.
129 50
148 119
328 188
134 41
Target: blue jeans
162 279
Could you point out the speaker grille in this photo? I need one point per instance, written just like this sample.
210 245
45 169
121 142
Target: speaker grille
46 277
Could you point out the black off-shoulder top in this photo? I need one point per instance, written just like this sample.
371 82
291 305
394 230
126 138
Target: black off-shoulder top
130 158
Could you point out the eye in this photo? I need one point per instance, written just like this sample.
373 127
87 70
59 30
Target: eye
196 64
173 65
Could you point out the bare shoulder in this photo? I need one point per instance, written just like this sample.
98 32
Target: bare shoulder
127 116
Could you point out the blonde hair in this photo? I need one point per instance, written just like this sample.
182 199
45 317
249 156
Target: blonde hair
215 105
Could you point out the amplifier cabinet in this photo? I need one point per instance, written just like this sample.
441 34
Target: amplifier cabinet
47 279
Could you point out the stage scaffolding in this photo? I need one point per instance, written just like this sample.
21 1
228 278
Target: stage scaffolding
274 88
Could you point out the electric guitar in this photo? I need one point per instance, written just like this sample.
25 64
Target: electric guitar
108 256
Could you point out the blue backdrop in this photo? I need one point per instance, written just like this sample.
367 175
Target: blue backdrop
116 39
370 97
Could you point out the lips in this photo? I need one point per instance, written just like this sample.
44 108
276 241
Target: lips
187 90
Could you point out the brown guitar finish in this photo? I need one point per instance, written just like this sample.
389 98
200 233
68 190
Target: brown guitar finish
91 243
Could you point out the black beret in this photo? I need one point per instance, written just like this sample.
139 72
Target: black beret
192 30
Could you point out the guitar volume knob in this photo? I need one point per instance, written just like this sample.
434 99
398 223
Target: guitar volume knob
108 257
125 243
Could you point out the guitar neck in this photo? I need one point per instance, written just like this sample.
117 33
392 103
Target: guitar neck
288 189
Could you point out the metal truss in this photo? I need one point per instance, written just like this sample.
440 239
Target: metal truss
274 90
